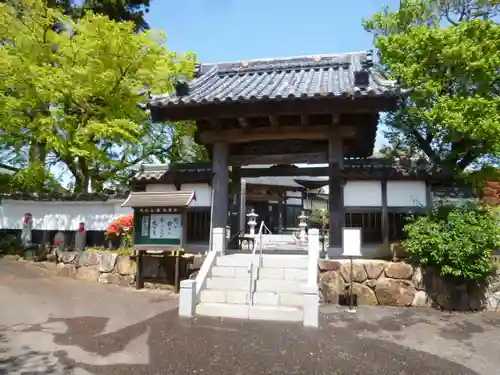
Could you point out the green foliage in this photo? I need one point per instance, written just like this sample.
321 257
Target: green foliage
457 241
72 91
11 245
447 54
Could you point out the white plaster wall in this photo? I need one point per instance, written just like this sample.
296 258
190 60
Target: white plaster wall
157 188
203 192
363 194
406 193
61 215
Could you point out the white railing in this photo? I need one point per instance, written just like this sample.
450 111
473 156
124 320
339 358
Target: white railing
251 265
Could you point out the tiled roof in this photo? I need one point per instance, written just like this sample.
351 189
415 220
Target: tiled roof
157 171
159 199
5 169
280 79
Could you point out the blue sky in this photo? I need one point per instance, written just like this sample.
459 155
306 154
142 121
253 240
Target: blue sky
231 30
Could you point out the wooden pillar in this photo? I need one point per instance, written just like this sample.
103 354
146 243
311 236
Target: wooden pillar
220 185
243 205
280 214
385 215
428 196
235 200
336 193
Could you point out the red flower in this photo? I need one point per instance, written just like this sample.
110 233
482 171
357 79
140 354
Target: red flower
121 225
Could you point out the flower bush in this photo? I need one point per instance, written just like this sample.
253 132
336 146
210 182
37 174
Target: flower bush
122 226
458 241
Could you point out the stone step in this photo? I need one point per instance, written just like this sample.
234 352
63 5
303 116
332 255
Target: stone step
224 296
228 283
282 313
235 260
278 299
278 286
284 261
230 271
227 310
260 298
299 274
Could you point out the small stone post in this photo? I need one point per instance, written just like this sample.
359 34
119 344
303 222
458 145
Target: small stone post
26 233
252 221
310 290
81 237
187 298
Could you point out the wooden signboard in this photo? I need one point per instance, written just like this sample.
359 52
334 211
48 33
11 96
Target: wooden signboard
159 219
158 227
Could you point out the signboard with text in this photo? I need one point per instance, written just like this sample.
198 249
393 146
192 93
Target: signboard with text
158 227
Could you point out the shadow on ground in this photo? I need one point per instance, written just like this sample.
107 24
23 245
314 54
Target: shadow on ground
214 346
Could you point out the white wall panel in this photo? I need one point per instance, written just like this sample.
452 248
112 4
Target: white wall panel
363 194
61 215
406 193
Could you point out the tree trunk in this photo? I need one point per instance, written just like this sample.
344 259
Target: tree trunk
37 153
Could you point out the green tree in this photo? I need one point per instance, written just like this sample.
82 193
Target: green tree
446 53
76 89
117 10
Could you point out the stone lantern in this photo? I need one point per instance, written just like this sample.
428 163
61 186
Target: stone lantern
252 221
303 225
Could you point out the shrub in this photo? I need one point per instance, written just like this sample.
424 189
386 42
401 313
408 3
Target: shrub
456 240
122 226
11 245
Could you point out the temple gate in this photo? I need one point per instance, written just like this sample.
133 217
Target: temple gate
317 109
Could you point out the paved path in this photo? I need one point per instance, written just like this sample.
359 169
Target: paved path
51 325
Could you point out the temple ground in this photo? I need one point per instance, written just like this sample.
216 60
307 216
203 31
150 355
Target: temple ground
52 325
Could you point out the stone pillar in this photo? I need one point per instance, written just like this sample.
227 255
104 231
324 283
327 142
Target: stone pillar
310 290
26 232
335 195
81 237
220 185
187 298
219 240
312 256
310 306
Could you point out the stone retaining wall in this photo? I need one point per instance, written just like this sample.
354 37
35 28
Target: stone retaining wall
110 268
377 282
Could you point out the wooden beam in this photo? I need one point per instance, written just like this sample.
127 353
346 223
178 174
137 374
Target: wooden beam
284 171
286 107
274 122
216 124
312 133
243 122
246 159
304 120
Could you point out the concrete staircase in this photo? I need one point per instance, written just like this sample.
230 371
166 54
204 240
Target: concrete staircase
280 242
277 288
